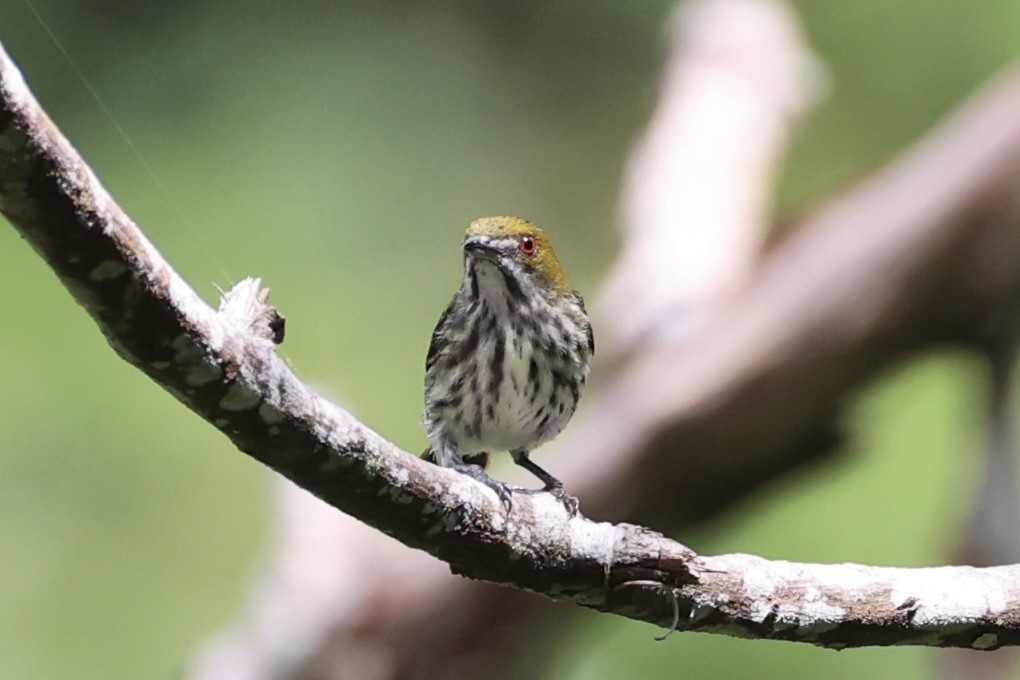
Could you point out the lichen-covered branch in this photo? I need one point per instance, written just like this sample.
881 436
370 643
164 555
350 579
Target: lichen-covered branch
222 364
840 605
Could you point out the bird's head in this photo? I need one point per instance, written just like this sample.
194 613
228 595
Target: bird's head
517 248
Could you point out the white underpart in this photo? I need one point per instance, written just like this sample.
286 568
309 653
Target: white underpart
516 418
516 410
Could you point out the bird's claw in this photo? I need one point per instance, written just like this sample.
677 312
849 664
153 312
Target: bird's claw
570 503
503 492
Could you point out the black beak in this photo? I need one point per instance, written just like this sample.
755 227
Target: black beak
479 247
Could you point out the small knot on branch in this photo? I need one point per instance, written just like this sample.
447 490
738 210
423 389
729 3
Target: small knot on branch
246 306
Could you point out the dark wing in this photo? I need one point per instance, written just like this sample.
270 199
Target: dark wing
591 336
439 341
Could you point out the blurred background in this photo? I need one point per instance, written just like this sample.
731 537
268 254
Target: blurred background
338 149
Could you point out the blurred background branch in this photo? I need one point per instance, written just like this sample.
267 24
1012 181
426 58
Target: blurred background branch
530 127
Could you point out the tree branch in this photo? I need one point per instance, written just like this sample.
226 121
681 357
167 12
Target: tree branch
222 365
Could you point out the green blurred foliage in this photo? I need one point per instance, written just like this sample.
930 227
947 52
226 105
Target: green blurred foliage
337 150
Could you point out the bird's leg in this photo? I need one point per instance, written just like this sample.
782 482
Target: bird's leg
552 485
521 458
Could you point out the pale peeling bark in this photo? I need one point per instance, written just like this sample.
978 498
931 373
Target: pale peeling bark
839 605
222 365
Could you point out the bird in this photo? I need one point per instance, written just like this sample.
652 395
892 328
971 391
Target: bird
509 358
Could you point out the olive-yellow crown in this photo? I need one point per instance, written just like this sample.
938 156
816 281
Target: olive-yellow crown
524 243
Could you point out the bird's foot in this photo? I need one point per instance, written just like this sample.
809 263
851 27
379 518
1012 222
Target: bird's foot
477 473
570 503
552 485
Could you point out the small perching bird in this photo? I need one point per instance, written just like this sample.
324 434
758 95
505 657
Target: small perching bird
509 357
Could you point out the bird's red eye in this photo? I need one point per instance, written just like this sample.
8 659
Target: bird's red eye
527 245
